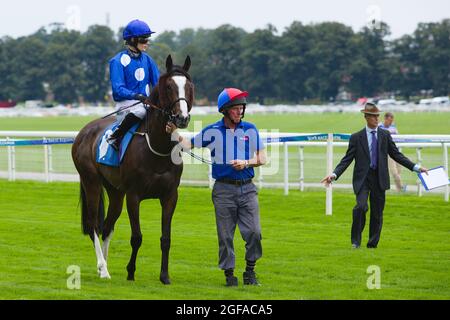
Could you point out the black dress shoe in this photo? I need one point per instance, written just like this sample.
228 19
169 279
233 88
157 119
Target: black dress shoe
369 246
250 278
232 281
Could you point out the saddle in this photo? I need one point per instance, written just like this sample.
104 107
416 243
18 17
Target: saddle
106 154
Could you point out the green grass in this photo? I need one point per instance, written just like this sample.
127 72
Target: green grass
307 255
408 123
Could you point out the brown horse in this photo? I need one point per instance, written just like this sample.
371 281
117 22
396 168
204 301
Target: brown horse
146 172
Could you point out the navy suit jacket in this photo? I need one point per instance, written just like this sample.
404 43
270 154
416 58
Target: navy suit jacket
358 149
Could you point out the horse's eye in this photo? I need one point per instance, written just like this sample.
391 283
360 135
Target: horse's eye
169 87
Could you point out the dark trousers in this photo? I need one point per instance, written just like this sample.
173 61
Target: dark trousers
371 187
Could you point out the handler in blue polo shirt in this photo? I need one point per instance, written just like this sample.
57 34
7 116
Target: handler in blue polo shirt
236 149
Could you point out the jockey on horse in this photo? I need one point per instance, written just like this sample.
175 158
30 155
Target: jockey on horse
133 75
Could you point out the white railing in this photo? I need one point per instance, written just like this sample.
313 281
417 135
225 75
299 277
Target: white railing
48 174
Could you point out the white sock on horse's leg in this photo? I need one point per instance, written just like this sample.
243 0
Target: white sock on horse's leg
101 262
105 246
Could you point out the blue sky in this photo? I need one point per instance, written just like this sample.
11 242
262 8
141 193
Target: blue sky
19 17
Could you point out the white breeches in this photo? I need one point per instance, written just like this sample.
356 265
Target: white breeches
138 110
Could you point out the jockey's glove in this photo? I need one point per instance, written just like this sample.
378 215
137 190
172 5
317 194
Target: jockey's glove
141 98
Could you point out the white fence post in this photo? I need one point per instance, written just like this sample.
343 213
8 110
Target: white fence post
50 162
10 171
13 163
329 196
419 162
46 164
286 169
302 171
447 188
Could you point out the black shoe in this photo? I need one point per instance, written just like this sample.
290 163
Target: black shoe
232 281
369 246
250 278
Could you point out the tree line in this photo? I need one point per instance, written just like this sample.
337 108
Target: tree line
304 63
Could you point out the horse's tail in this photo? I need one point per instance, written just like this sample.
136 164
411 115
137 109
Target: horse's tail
87 229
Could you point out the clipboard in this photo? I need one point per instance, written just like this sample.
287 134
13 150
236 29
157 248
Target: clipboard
437 177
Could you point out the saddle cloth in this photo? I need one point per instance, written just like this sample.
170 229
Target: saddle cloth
109 156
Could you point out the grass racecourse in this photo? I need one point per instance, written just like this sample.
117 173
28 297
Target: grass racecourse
407 123
306 255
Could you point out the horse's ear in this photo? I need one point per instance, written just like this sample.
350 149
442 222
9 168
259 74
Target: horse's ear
169 63
187 64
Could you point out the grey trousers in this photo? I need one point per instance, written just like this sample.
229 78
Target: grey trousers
236 205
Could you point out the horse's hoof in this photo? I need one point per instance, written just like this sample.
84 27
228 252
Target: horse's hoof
164 280
103 272
130 278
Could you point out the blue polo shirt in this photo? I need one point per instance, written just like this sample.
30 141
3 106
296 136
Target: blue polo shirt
226 145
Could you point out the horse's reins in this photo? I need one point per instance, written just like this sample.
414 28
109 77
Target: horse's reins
171 118
193 155
121 109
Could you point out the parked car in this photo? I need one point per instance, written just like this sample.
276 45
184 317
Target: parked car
425 101
386 102
7 104
440 100
34 103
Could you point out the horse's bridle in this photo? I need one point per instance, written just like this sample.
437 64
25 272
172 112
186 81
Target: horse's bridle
171 118
176 119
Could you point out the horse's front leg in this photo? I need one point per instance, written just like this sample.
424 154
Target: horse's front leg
168 205
133 202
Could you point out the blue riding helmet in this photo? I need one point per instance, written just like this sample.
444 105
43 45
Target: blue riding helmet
231 97
135 29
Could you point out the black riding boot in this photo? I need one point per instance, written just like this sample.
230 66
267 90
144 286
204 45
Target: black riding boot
116 137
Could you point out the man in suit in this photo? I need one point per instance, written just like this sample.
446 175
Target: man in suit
370 148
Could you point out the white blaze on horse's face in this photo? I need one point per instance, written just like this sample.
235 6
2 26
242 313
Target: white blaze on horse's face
180 81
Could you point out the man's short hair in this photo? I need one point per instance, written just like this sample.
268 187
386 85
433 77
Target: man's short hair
388 115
